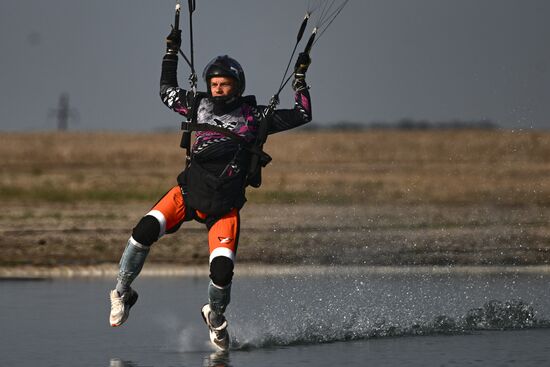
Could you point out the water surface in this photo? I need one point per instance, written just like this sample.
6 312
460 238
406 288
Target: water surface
290 320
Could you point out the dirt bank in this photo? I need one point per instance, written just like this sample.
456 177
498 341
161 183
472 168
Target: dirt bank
82 234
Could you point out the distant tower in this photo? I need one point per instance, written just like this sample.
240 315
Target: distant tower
63 113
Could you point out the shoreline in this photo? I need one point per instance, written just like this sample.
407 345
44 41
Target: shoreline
89 238
170 270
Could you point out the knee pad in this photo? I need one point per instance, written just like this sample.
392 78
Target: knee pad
147 231
221 271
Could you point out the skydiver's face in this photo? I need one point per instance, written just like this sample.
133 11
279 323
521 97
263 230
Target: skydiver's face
221 86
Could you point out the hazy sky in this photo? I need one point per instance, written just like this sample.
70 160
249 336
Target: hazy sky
381 60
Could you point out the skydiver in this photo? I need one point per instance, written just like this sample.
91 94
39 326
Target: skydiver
211 189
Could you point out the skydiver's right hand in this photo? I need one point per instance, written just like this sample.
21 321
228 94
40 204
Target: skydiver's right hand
173 41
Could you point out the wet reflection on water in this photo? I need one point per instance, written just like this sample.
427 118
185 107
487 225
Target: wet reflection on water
216 359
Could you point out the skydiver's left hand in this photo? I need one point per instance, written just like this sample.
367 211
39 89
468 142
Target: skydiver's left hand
302 64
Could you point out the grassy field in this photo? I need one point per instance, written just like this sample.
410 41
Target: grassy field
379 197
447 167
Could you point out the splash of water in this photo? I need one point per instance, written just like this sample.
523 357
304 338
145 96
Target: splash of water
180 337
307 329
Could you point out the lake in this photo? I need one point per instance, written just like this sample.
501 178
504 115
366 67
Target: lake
338 317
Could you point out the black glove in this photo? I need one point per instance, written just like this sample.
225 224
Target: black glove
300 69
301 66
173 41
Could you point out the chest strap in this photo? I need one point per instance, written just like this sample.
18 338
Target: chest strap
193 126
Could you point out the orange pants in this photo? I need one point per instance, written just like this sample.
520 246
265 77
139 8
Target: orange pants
223 233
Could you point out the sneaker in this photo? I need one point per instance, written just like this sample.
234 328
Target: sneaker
217 328
120 306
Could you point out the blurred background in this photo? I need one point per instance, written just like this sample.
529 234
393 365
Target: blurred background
451 166
381 62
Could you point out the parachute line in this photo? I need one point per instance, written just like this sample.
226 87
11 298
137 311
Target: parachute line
329 12
326 11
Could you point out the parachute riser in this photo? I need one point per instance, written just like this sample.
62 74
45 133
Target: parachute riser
177 17
193 76
191 98
190 61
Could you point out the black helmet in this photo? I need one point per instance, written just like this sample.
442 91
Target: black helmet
225 66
